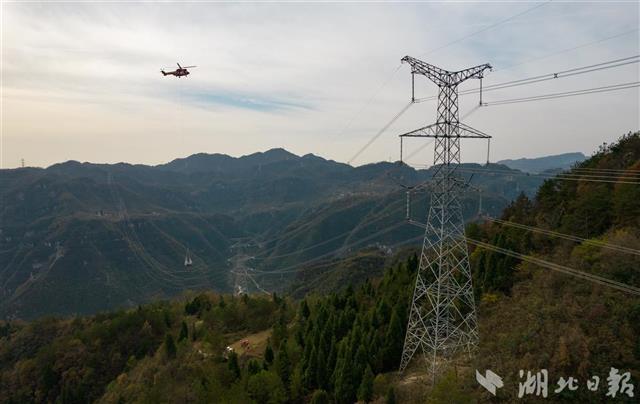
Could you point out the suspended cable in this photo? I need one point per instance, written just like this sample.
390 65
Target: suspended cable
496 24
380 132
622 171
257 285
370 100
401 243
374 219
566 177
613 87
296 267
548 76
566 73
597 243
557 267
559 52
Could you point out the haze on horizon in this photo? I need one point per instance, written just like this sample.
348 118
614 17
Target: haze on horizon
82 81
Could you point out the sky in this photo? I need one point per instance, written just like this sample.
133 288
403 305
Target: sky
81 81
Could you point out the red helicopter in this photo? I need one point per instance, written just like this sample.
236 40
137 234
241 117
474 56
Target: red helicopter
179 72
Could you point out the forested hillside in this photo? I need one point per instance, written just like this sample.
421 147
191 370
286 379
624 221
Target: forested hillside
344 344
78 238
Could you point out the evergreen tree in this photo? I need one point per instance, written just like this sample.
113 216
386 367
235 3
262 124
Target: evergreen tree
365 392
320 397
170 346
394 340
184 332
390 398
282 363
311 373
296 386
233 365
279 330
304 309
253 367
345 388
268 355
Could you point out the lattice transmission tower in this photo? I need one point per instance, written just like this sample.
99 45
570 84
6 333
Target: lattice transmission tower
442 321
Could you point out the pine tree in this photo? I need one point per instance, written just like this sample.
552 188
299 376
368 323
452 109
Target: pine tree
234 367
390 398
394 340
320 397
311 373
282 363
365 392
184 332
170 346
279 330
253 367
304 309
268 355
297 385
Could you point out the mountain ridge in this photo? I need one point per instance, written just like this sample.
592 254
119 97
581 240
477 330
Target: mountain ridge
536 165
122 227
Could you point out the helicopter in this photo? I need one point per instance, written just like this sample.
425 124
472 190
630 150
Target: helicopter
179 72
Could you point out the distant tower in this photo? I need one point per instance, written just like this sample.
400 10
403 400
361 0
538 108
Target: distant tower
22 163
442 321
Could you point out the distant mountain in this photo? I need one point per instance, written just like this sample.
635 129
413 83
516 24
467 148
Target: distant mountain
540 164
82 237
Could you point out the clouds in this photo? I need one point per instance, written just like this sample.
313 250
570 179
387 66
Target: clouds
293 75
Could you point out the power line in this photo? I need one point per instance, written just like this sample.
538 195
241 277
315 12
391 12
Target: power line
560 176
485 28
597 243
395 245
620 170
559 268
548 76
564 73
559 52
567 177
594 90
370 100
380 132
296 267
369 222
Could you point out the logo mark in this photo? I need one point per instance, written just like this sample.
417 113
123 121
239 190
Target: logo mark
490 381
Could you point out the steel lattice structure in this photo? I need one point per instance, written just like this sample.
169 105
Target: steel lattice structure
442 320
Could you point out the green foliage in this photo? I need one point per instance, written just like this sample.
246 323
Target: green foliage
282 364
184 332
390 397
266 387
268 355
199 304
124 354
233 365
170 346
320 397
448 390
365 391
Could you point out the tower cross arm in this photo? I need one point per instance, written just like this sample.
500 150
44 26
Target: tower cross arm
476 72
432 72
